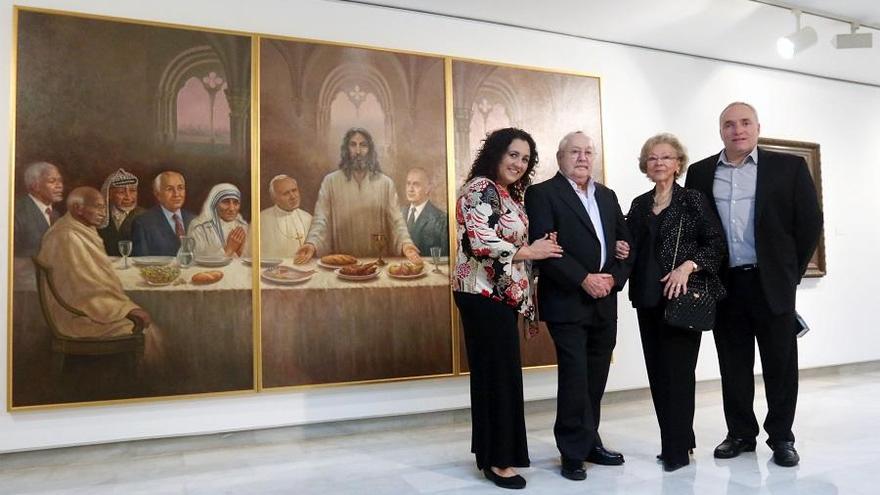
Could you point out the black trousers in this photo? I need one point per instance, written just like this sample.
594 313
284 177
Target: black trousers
743 317
671 360
491 336
583 352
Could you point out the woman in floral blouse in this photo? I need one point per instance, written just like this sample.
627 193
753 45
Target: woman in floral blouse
491 287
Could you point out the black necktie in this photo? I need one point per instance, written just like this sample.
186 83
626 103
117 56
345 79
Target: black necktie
411 219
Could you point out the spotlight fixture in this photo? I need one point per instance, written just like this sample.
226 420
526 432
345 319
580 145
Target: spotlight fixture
798 41
853 39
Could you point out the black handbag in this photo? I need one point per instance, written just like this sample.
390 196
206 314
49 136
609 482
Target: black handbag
694 309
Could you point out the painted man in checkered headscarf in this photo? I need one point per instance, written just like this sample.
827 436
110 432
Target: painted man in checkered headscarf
120 191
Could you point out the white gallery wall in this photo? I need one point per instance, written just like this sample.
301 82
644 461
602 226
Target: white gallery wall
643 92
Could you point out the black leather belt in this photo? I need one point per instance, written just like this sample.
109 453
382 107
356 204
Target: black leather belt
744 268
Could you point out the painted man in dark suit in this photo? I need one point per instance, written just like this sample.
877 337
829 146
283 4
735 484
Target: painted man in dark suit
35 211
120 192
426 223
158 231
769 209
577 295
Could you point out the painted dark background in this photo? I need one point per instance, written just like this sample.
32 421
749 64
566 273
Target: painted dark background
93 96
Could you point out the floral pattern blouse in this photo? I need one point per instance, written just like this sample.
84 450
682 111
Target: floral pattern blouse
492 226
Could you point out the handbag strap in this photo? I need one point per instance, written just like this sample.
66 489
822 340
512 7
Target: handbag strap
677 241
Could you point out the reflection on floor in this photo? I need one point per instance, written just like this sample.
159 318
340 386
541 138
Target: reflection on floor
837 432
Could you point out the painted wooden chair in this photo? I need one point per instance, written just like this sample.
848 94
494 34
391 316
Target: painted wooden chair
65 345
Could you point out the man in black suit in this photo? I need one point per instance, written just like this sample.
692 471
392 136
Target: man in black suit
158 231
768 207
120 192
577 295
34 211
426 223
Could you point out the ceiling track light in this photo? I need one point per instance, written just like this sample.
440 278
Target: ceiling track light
798 41
853 39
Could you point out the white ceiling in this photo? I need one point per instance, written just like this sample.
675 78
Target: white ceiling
733 30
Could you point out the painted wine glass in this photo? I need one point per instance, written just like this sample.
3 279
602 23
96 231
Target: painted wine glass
435 258
125 251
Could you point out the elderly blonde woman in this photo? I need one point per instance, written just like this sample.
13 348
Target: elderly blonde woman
219 230
670 226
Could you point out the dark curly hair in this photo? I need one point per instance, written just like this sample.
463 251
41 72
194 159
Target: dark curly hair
489 157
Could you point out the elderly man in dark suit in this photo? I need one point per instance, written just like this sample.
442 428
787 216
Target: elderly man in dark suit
426 223
769 209
158 231
35 211
577 295
120 193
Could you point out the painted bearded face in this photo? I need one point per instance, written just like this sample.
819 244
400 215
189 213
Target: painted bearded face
123 197
358 149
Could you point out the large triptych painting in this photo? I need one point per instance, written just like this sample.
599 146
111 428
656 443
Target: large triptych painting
156 251
132 202
353 215
548 105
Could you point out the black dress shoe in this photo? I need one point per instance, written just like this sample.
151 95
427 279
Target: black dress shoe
732 447
784 454
670 466
660 455
604 457
573 470
513 482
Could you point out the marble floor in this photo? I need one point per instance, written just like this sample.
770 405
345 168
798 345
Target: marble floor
837 428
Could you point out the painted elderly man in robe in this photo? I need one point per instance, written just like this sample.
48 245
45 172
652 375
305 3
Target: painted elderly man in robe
283 226
83 275
220 230
355 203
120 191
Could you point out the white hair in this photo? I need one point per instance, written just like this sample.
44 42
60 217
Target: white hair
564 141
276 179
429 176
34 172
157 181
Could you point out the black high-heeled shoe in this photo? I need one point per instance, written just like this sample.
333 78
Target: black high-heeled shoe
512 482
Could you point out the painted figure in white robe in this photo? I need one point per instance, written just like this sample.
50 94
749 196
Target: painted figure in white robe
83 275
283 226
219 230
355 203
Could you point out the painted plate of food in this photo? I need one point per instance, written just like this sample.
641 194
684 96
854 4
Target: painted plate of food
406 270
286 275
359 272
334 261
